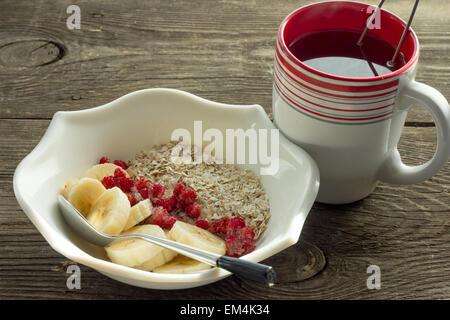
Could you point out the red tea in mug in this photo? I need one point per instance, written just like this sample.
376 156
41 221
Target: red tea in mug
336 52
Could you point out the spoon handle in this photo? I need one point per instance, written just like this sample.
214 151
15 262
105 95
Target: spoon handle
246 269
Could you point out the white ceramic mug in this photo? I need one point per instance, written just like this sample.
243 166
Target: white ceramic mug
351 126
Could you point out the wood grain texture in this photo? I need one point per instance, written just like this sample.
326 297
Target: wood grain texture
218 50
223 51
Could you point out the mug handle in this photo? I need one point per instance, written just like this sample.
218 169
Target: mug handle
393 169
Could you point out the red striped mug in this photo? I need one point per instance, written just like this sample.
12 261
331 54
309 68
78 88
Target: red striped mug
351 126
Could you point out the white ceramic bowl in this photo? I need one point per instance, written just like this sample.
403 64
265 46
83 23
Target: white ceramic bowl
74 141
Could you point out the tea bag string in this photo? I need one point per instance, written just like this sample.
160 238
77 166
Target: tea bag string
360 43
371 66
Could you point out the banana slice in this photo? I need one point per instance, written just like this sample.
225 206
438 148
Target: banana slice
154 262
83 195
197 237
110 211
182 264
168 254
68 187
161 258
138 213
134 252
100 171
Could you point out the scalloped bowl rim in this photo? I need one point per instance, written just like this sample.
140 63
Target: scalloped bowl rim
143 278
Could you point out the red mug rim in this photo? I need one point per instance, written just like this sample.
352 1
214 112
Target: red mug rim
289 54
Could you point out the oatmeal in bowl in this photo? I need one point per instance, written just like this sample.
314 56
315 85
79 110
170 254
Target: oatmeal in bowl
215 207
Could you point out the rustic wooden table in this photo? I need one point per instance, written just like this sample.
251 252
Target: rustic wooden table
223 51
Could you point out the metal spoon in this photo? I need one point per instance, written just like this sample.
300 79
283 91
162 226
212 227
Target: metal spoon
246 269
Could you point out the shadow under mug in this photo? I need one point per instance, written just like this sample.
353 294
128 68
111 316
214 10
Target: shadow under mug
351 126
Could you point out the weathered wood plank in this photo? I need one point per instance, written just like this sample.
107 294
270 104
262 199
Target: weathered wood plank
402 229
221 51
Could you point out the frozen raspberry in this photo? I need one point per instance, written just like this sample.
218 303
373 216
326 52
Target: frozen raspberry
144 192
157 216
131 199
158 202
220 226
193 210
162 218
109 182
236 222
158 191
170 204
181 204
165 203
189 196
143 186
239 241
104 160
178 190
135 193
170 221
204 224
143 183
213 226
121 164
126 184
121 180
119 173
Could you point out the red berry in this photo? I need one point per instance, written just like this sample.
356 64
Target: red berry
104 160
119 173
162 218
236 222
193 210
170 204
189 196
231 249
178 190
126 184
213 226
169 222
143 183
157 216
131 199
143 186
220 226
181 204
144 193
158 202
109 182
121 164
157 191
248 233
224 224
239 241
204 224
